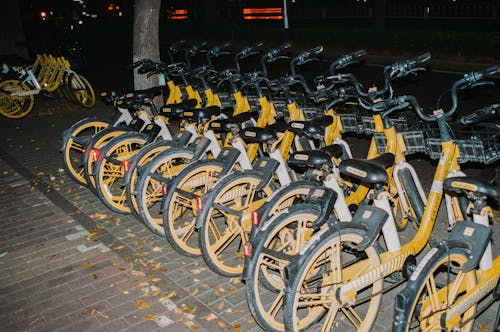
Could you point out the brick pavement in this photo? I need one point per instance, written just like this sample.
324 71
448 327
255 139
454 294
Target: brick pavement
69 292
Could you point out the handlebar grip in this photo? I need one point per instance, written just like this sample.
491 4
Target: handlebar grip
285 46
478 115
491 71
316 50
359 53
421 59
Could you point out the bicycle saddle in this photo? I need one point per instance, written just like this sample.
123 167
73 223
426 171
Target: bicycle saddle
463 185
313 129
316 159
371 171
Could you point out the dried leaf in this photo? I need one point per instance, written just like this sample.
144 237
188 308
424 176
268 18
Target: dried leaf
141 304
238 310
220 306
195 292
162 269
92 234
94 276
157 249
191 326
86 265
171 294
484 327
221 324
210 317
150 316
153 278
197 271
119 248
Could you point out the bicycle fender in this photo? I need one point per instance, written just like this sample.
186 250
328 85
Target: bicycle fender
258 239
371 219
264 211
227 157
473 238
67 132
325 198
266 167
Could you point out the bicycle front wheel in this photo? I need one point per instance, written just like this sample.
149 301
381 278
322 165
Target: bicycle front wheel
111 168
318 275
153 176
180 210
73 148
225 221
282 240
15 106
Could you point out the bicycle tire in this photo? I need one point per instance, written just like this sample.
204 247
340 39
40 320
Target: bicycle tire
98 141
147 153
440 268
149 198
110 171
179 214
311 301
240 185
265 286
82 90
15 107
73 147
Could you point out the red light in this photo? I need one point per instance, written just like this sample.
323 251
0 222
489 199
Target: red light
117 7
164 190
94 154
255 218
111 7
126 165
248 249
199 203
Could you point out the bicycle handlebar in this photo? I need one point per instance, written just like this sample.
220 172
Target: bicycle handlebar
480 114
219 50
304 57
405 67
346 60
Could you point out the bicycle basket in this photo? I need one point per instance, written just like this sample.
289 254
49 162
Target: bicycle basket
414 141
478 143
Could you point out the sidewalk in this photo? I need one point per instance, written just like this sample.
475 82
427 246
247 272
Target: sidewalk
68 263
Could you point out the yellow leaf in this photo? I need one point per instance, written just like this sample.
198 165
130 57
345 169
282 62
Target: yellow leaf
157 249
92 234
119 248
162 269
142 283
153 278
221 324
141 304
220 306
86 265
171 294
484 327
92 311
238 310
150 316
94 276
195 292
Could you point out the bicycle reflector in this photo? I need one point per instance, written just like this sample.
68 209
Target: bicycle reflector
248 249
94 154
126 165
255 218
199 203
164 189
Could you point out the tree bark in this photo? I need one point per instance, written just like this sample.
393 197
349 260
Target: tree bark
12 36
146 39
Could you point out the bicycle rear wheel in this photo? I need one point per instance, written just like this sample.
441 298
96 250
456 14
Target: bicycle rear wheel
432 289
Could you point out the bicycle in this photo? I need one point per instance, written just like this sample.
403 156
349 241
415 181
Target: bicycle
341 270
445 288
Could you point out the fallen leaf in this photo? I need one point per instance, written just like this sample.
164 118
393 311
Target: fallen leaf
171 294
150 316
162 269
221 324
484 327
94 276
210 317
197 271
238 310
92 234
157 249
141 304
195 292
86 265
220 306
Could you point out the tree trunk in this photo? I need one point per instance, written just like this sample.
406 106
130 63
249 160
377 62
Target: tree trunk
146 39
12 37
